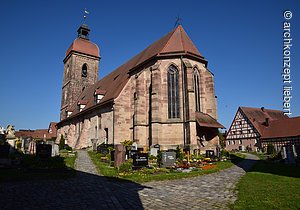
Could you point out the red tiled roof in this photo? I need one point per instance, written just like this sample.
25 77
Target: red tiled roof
84 46
205 120
175 42
289 127
38 133
258 116
100 92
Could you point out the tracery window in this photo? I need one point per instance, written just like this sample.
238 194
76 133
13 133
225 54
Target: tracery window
197 89
173 92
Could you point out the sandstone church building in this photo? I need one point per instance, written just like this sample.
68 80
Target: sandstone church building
164 95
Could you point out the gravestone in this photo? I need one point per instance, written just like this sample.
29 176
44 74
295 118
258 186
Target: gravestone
55 150
154 151
157 146
140 160
43 151
134 146
94 144
102 149
218 151
209 154
50 142
4 151
119 155
112 155
168 159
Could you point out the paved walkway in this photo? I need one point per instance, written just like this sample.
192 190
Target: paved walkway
91 191
84 164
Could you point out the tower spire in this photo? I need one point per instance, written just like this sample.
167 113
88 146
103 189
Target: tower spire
83 31
86 12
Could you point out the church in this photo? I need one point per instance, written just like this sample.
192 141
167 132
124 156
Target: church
163 96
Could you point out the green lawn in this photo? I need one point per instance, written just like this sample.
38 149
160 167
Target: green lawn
269 186
145 176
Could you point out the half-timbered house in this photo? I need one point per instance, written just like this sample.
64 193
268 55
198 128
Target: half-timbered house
255 128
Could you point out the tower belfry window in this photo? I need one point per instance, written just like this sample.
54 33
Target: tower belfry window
173 92
84 70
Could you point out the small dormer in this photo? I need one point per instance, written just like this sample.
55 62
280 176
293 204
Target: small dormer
98 95
81 104
68 113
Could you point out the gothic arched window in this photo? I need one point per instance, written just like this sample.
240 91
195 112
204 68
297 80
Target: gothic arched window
84 70
173 92
197 89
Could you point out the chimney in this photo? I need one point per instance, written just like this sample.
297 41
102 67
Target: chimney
267 121
262 108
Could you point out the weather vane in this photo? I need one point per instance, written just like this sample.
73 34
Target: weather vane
178 21
86 12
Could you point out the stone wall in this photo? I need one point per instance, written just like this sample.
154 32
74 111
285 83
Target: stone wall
73 82
128 118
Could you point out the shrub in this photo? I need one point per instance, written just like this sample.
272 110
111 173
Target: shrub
179 154
276 156
67 147
270 149
224 153
61 142
125 167
159 158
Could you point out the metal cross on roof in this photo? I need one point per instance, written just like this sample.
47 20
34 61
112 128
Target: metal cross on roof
178 21
86 12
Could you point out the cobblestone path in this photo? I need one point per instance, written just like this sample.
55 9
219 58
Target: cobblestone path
84 164
91 191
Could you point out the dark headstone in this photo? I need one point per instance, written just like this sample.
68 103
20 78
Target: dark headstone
209 154
140 160
4 151
43 151
2 138
168 159
112 155
103 151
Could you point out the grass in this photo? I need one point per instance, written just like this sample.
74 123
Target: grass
35 169
269 186
143 176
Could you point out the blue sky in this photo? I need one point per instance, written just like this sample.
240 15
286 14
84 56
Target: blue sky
242 41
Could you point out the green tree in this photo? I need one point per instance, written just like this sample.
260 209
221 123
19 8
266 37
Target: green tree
270 149
61 142
222 140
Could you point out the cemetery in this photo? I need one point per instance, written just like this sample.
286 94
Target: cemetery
27 159
126 161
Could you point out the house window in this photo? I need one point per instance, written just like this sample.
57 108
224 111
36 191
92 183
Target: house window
228 142
84 70
240 141
173 92
233 142
255 141
197 89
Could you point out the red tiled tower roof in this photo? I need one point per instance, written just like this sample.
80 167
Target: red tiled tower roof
84 46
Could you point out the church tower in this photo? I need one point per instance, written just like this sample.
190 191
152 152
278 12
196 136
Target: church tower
81 66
